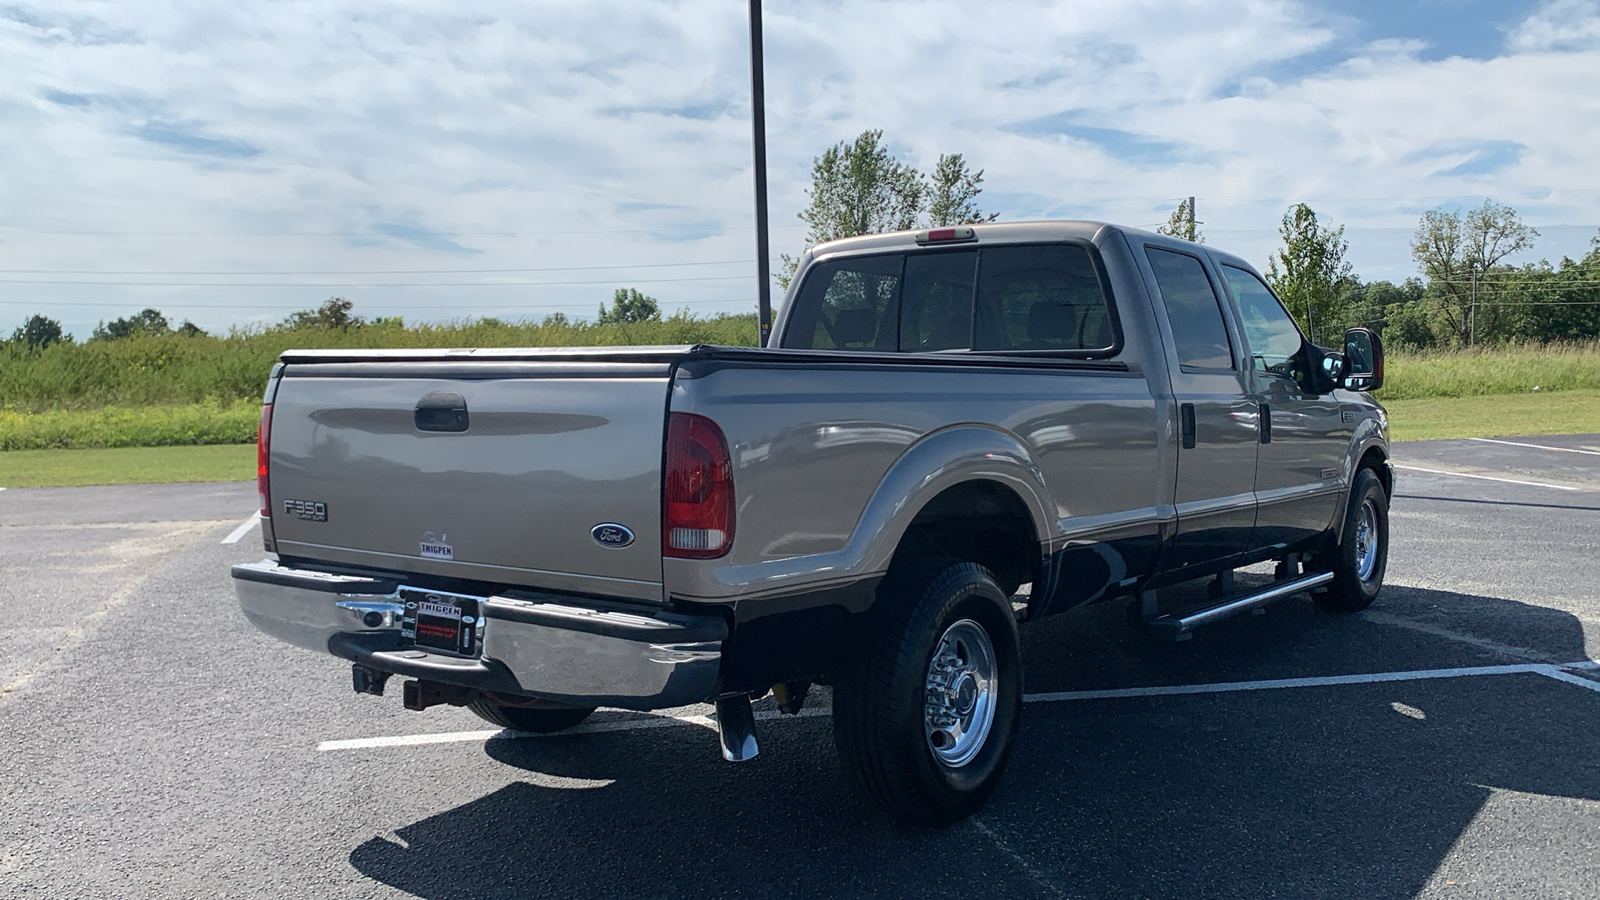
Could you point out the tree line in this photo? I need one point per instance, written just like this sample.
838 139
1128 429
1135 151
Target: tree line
1466 293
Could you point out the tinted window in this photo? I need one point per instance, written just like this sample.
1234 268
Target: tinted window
936 303
849 304
1044 297
1273 337
1192 308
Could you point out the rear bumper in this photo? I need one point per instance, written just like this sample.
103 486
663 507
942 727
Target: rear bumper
546 647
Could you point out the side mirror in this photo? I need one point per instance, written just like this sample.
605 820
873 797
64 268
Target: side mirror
1363 360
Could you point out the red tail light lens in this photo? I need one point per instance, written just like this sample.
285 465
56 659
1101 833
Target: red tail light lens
697 508
263 450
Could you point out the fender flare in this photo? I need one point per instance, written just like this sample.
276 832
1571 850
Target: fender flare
935 462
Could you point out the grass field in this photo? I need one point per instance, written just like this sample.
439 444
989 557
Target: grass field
128 465
1505 415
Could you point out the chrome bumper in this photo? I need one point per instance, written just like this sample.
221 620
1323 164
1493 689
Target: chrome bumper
535 646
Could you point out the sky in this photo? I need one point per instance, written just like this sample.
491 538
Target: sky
231 163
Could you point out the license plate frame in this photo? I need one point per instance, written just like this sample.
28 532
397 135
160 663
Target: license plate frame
441 622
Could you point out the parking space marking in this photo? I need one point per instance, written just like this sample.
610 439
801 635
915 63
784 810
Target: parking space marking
1557 672
1535 446
243 529
1558 487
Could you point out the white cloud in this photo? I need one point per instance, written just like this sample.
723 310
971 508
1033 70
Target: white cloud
343 136
1558 25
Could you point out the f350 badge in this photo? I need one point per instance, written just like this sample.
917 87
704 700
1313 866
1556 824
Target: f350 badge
436 546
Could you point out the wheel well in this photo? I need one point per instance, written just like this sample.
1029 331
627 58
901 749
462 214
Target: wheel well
1373 459
981 521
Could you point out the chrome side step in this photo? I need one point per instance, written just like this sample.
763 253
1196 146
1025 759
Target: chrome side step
1178 626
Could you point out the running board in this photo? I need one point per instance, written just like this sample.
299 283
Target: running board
1178 626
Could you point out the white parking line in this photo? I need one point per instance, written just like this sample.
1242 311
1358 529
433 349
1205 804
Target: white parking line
1558 673
1558 487
243 529
1535 446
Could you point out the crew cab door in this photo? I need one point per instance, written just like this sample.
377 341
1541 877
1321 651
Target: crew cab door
1299 467
1217 448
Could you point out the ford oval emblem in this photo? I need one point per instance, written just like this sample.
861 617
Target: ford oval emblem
610 534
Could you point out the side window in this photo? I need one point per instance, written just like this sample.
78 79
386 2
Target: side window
936 304
850 304
1044 297
1193 309
1273 337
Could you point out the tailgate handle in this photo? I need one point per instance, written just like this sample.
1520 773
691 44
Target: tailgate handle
442 411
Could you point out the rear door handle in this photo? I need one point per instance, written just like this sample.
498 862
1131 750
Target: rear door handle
1186 418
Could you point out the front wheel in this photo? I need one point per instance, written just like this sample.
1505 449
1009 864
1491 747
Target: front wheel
925 720
1362 556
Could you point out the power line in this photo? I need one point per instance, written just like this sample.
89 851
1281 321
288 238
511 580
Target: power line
346 284
245 306
367 234
721 262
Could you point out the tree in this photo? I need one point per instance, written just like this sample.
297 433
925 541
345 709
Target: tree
858 188
190 329
150 321
38 333
334 314
1459 252
1309 273
628 305
950 199
1182 224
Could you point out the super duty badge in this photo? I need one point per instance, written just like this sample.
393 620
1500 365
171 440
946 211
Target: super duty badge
314 510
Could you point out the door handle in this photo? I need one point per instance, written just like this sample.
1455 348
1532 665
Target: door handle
1266 424
1186 419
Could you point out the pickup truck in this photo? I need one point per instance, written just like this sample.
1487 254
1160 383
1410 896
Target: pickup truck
953 431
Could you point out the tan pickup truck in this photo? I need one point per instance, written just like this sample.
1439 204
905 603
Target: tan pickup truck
954 430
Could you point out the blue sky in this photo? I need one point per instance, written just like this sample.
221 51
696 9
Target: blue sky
231 163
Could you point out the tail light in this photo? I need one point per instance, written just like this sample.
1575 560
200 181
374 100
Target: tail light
697 512
263 450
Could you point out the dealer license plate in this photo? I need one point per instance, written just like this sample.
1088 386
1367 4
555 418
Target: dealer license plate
447 623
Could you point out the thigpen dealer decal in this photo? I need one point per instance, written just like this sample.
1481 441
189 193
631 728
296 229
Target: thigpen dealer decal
312 510
436 546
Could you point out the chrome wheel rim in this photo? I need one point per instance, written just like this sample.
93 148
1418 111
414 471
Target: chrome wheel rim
959 697
1367 541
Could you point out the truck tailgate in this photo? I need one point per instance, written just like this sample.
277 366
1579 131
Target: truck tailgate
549 452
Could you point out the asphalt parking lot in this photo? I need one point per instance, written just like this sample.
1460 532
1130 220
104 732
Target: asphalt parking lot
1445 743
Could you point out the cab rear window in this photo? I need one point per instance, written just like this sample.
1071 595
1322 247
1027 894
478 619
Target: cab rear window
1035 297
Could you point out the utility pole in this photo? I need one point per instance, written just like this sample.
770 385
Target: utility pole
1192 220
1472 312
758 124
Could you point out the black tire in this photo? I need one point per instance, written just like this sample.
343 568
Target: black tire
541 718
1353 589
881 720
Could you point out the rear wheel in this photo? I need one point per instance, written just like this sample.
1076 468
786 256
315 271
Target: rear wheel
1362 556
925 721
537 716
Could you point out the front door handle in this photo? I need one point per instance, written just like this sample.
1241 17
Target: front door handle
1186 420
1266 424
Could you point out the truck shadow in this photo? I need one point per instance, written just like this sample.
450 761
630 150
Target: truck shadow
1347 791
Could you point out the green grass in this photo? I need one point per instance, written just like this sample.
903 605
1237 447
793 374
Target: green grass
1484 372
128 465
171 369
119 426
1563 412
